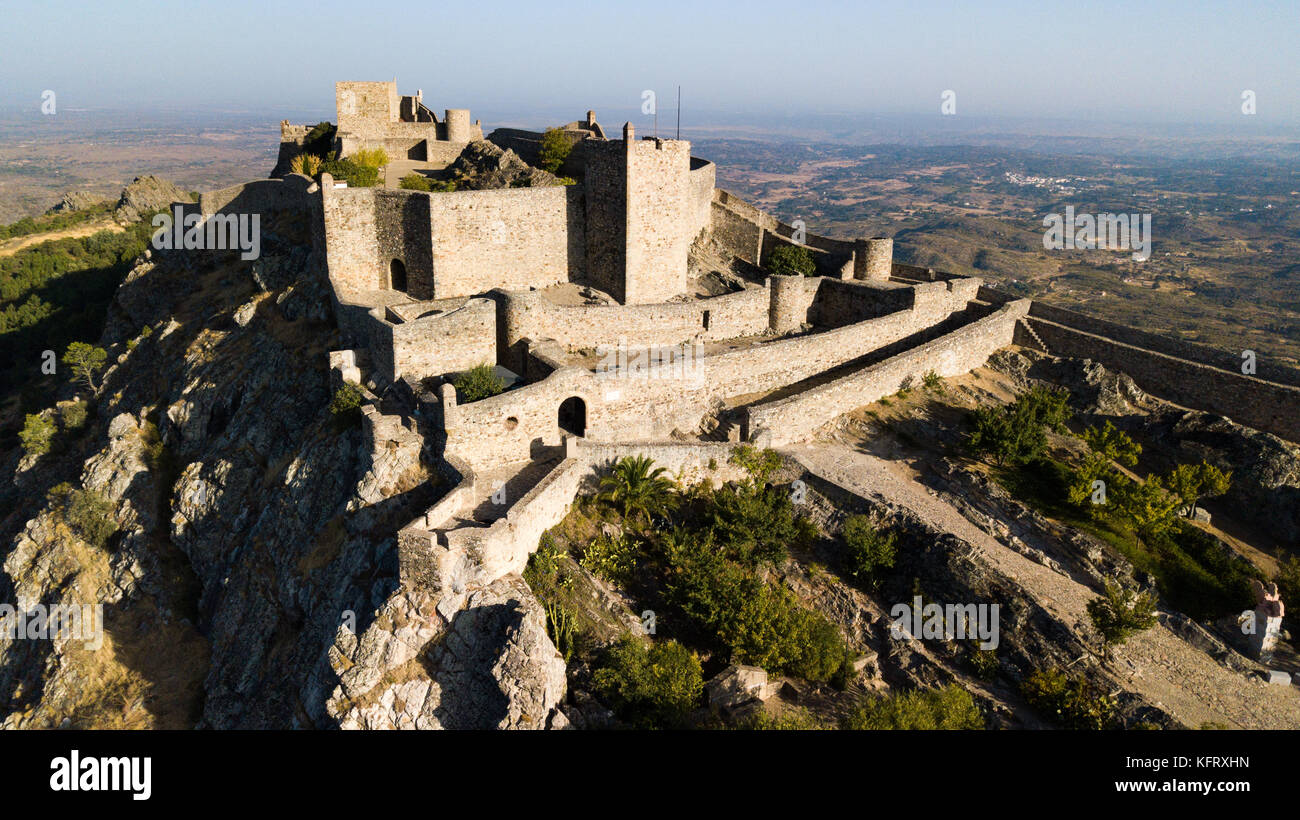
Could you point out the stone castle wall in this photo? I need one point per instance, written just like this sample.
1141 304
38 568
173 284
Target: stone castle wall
752 235
260 196
444 343
782 422
532 315
1254 402
454 244
622 404
1201 354
512 238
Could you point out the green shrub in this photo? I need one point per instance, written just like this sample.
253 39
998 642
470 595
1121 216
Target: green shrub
371 158
948 708
1073 703
87 513
761 623
320 139
759 464
566 180
869 549
611 557
479 382
984 662
1014 433
753 523
931 380
651 688
37 434
354 173
1121 612
416 182
73 415
345 406
554 151
791 259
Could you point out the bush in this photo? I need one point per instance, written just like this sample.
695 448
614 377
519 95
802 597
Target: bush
1073 703
792 259
346 405
948 708
308 164
37 434
932 380
761 623
1121 612
87 513
479 382
320 139
416 182
637 489
1014 433
554 151
354 173
650 688
371 158
754 524
561 629
610 557
869 549
73 415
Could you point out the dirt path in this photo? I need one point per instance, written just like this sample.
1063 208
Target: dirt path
1192 686
12 246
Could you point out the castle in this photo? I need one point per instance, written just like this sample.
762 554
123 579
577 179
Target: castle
642 252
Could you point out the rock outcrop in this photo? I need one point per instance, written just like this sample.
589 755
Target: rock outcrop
147 193
484 165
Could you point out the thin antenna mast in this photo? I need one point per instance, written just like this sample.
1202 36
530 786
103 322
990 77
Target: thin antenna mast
679 112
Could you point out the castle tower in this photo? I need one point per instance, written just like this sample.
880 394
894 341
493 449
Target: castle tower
873 258
639 225
784 313
458 127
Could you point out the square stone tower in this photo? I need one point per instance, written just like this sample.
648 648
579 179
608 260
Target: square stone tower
639 220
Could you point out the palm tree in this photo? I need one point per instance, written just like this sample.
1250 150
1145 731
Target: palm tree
636 489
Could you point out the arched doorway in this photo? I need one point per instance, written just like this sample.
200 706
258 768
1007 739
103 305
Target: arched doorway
397 275
573 416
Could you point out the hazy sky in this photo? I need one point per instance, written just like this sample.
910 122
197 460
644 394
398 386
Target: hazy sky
1135 61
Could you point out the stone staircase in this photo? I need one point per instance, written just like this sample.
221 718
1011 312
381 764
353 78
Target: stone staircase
1038 342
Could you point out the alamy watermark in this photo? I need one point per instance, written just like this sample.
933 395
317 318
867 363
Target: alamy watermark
217 232
70 622
950 622
1114 232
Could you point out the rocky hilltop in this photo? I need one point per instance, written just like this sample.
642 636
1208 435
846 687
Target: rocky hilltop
250 580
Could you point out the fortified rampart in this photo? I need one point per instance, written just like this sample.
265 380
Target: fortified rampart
1192 375
1254 402
622 404
782 422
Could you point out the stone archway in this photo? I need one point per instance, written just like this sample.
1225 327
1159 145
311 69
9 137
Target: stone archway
397 275
573 416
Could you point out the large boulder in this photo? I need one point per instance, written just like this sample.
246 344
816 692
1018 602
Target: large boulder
148 193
